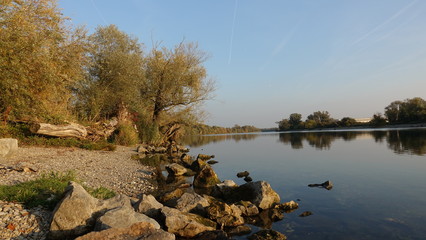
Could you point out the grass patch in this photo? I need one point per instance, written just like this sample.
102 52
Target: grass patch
46 191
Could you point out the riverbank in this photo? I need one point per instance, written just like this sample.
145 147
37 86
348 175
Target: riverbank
114 170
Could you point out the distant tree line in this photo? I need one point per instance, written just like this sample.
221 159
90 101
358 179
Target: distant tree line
202 129
54 72
398 112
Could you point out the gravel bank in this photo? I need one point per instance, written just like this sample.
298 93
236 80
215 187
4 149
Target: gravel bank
114 170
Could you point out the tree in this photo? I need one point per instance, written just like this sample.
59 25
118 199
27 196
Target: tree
393 111
40 59
378 120
176 83
347 122
283 125
114 77
321 118
295 119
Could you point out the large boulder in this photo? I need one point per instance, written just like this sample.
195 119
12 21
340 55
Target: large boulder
185 225
175 169
77 212
138 231
207 177
122 217
259 193
149 206
191 202
8 146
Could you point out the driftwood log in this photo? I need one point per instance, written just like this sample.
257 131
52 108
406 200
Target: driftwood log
68 130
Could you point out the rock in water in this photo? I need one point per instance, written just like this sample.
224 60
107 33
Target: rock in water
267 235
248 179
259 193
206 178
212 162
205 157
243 174
175 169
305 214
327 185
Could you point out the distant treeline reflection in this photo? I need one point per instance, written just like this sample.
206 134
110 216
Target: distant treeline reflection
411 141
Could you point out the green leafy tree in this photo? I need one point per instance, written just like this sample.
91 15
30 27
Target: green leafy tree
347 122
321 118
114 77
41 58
378 120
295 120
283 125
176 83
393 111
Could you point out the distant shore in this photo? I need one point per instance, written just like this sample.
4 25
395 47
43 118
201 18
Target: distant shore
367 127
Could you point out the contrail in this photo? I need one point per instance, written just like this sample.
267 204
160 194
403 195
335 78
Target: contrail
99 12
385 22
232 32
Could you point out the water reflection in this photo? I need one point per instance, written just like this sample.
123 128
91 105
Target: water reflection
403 141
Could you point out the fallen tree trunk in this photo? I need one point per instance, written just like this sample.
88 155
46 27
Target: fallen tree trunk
69 130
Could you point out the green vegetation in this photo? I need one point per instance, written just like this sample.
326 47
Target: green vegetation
46 191
408 111
51 71
202 129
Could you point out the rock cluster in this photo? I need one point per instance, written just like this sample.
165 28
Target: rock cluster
210 210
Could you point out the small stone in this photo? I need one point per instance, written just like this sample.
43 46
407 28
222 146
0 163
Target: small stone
305 214
243 174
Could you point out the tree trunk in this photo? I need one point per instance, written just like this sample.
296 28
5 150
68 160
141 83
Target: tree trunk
69 130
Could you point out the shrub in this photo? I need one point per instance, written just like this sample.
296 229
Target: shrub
126 135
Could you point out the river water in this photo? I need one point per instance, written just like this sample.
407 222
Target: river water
379 179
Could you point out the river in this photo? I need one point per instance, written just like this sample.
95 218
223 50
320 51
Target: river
378 177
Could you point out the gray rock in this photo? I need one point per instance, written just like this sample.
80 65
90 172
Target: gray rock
191 202
122 217
148 205
259 193
137 231
8 146
175 169
185 224
77 212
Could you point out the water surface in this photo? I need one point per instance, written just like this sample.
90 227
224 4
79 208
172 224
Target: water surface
378 179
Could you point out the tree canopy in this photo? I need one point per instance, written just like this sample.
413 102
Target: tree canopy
40 59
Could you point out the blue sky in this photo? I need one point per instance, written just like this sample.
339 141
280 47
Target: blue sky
273 58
